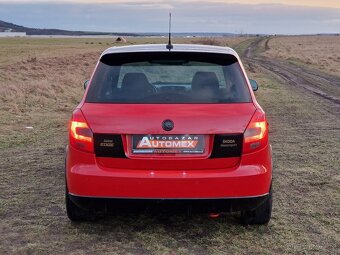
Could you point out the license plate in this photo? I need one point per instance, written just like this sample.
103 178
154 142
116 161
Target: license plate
168 144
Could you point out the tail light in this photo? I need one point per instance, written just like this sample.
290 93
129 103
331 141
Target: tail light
81 136
256 134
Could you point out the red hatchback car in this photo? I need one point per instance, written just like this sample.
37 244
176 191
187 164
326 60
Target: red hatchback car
160 125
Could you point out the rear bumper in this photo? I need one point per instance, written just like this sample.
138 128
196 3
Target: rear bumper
250 178
169 205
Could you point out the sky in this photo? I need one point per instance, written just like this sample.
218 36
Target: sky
214 16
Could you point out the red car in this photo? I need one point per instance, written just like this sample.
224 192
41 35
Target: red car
169 125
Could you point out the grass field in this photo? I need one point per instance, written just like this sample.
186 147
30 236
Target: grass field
41 83
319 52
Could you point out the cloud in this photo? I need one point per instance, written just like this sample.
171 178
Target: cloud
188 16
313 3
308 3
139 3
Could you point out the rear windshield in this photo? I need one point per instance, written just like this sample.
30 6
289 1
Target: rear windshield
168 78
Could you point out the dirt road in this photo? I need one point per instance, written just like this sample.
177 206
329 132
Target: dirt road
312 80
303 106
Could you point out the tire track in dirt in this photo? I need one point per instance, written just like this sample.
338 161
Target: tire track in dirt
316 82
303 109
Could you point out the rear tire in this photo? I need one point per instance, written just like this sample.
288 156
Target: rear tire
76 213
261 215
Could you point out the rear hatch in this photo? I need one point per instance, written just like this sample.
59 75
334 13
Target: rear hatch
150 110
220 126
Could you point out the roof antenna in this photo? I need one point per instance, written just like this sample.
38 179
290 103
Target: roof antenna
169 46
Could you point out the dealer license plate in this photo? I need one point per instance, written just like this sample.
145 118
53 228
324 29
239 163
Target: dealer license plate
168 144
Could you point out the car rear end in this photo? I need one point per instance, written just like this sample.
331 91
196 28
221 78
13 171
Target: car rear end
180 125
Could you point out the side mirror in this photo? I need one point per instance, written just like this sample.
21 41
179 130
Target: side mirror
254 85
86 83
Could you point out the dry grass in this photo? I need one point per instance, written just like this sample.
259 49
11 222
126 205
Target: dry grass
220 41
34 88
319 52
41 90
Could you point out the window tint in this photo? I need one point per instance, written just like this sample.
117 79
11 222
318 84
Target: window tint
162 78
